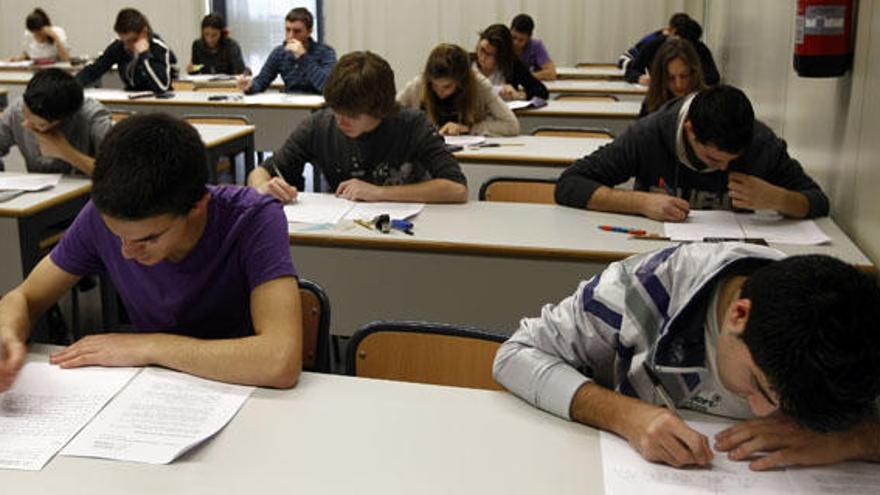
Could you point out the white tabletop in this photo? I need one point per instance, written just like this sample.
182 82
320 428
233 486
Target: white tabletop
589 72
216 134
516 229
32 202
15 77
586 109
28 65
532 150
342 435
201 98
594 87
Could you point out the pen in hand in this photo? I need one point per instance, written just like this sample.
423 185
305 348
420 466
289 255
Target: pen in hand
660 389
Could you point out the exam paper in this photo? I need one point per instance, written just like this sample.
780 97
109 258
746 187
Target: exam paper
27 182
317 208
160 415
464 141
273 98
626 472
397 211
727 224
47 405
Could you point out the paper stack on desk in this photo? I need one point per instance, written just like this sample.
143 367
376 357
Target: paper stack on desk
12 181
318 208
701 224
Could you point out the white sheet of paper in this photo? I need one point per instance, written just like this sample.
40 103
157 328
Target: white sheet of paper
704 223
160 415
48 405
397 211
518 104
105 94
782 230
317 208
851 478
16 64
28 182
464 140
626 472
273 98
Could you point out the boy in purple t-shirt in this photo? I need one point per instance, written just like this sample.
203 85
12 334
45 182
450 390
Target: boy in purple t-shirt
205 272
531 50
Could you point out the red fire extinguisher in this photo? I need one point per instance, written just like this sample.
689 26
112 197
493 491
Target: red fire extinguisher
823 38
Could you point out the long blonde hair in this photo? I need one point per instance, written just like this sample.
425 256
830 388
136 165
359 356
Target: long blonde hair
452 62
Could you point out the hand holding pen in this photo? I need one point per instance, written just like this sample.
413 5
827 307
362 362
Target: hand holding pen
278 187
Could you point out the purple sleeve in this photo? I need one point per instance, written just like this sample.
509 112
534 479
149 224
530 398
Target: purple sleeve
540 55
77 253
265 249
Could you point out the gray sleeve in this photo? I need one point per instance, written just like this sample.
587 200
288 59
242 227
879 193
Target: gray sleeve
551 356
295 152
7 137
100 122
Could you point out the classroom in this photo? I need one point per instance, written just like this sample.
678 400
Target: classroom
410 246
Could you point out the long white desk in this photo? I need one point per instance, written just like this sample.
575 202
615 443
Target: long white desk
275 115
614 116
621 89
342 435
483 264
532 157
227 140
589 72
15 82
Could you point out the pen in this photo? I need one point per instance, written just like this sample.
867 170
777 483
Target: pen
496 145
622 230
661 391
650 237
665 187
275 169
365 224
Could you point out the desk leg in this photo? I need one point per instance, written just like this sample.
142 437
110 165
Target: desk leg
249 150
213 159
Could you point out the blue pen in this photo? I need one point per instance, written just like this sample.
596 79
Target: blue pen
404 226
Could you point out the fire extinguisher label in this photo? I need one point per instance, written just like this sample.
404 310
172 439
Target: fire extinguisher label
799 30
824 20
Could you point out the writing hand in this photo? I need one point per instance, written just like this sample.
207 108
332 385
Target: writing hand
664 208
279 188
661 436
453 129
12 356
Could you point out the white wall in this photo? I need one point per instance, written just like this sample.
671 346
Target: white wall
831 125
89 23
405 31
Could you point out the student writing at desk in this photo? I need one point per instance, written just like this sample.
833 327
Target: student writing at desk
457 98
789 345
704 151
496 60
54 127
43 43
144 61
303 62
366 147
204 272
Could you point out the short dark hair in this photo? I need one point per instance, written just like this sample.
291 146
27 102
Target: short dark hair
523 23
216 21
130 21
688 29
53 94
301 14
149 165
361 82
813 330
677 18
723 116
36 20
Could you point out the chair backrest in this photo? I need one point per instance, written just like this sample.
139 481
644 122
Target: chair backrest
518 190
424 352
218 119
582 97
117 115
316 326
179 85
575 132
603 65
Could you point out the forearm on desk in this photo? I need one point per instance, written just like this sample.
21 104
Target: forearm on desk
596 406
430 191
617 201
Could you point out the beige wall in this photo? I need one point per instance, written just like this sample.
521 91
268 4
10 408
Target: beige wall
405 31
831 125
89 23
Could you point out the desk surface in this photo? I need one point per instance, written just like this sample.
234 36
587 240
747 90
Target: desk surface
32 202
536 231
20 67
15 77
535 150
217 134
577 108
594 87
334 434
596 72
200 98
